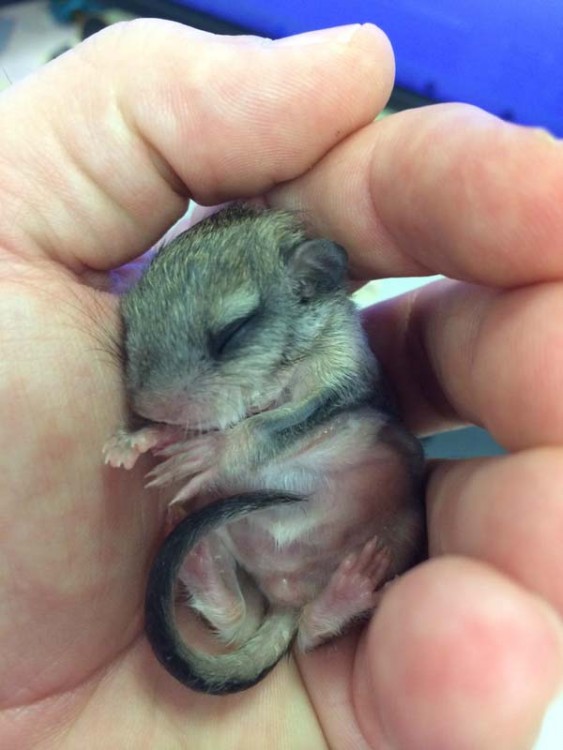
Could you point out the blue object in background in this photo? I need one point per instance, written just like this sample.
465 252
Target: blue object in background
469 442
6 28
503 55
66 10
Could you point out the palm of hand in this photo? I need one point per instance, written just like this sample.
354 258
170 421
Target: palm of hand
80 538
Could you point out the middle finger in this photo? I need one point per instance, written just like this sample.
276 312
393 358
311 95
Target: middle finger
464 353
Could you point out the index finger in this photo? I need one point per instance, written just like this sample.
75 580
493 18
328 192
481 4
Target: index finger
443 189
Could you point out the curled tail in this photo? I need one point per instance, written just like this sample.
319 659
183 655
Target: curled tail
218 673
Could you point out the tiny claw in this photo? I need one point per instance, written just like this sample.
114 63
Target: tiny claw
173 517
170 450
186 493
177 500
157 482
194 486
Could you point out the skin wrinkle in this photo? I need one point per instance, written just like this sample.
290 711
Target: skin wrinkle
372 192
89 683
42 227
423 401
475 339
49 180
433 390
92 181
453 411
382 230
163 166
131 126
418 351
10 242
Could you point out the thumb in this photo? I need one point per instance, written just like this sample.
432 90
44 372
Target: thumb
101 149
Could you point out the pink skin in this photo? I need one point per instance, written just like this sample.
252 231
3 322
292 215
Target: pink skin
328 559
192 460
209 576
351 591
208 573
124 448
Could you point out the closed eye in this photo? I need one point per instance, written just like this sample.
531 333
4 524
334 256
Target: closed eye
226 339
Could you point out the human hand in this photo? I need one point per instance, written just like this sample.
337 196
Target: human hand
99 152
472 639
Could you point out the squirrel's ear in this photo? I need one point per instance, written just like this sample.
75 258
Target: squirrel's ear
317 267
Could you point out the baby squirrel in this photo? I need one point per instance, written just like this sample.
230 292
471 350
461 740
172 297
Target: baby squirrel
247 360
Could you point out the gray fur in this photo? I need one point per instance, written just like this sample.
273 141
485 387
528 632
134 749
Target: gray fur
240 341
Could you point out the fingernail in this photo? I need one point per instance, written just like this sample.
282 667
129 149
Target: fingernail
341 34
552 727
